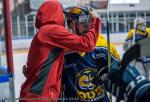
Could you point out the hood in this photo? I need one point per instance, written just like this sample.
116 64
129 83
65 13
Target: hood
50 12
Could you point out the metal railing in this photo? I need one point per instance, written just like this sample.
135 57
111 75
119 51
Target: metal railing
24 27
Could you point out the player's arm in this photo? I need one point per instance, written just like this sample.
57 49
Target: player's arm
102 60
67 40
130 35
115 57
128 40
148 31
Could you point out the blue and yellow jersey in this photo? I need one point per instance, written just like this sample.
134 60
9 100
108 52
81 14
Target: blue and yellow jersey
139 35
80 73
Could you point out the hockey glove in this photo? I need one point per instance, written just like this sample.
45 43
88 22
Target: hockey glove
127 84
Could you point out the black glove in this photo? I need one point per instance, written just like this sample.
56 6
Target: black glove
102 75
127 84
24 70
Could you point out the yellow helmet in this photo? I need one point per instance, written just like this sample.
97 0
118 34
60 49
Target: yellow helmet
79 14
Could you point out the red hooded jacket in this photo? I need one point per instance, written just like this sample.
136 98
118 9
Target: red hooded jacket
46 53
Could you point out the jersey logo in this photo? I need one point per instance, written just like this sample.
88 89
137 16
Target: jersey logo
87 86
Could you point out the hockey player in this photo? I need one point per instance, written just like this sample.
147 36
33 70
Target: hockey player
126 82
128 85
46 53
82 70
139 32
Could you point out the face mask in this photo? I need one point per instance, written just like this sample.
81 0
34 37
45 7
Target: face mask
84 18
141 27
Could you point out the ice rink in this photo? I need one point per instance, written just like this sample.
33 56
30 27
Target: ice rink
20 58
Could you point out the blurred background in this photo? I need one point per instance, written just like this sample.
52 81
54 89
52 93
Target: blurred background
121 18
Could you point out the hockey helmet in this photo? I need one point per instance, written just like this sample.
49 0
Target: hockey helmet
140 24
81 16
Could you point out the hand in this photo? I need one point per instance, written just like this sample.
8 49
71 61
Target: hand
103 75
24 70
127 85
103 72
93 13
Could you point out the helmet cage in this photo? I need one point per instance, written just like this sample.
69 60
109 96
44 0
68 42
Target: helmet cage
84 18
140 24
141 27
80 18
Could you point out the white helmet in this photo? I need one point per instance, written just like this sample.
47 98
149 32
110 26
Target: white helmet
140 24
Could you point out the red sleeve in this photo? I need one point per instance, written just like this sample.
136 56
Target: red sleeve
60 37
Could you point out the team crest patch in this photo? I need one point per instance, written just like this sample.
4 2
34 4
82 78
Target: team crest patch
87 86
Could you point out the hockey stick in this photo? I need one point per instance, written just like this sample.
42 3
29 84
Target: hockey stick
104 4
108 37
108 45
